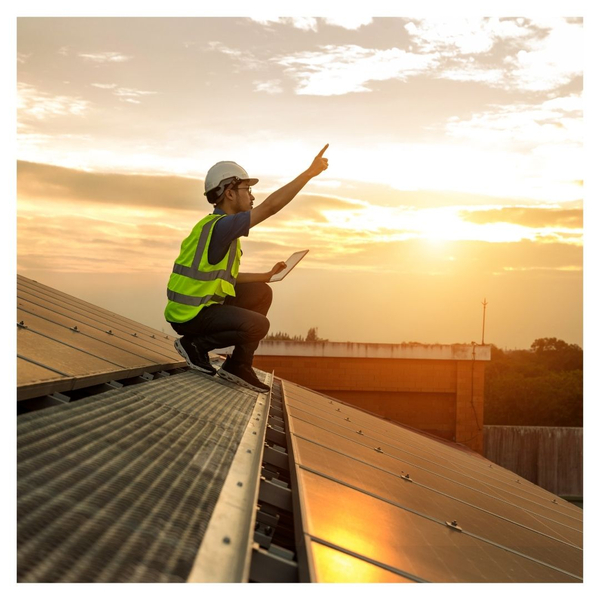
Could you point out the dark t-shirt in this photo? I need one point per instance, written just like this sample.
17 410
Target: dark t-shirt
226 230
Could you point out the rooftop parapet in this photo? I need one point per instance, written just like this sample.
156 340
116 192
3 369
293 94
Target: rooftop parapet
362 350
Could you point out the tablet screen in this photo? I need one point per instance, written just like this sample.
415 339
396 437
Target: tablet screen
291 262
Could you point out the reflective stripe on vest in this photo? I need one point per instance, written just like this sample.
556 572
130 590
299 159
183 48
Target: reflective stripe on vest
193 273
193 300
190 289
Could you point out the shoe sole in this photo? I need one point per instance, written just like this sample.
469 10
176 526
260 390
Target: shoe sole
184 354
239 381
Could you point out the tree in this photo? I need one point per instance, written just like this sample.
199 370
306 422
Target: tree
312 336
557 355
541 386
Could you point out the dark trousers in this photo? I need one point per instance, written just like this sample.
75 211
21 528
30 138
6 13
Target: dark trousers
240 321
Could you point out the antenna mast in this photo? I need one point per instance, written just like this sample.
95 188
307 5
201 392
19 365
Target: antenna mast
483 328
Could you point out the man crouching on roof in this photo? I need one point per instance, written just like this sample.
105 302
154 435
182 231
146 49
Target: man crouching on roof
210 303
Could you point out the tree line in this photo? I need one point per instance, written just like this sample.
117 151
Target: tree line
311 336
541 386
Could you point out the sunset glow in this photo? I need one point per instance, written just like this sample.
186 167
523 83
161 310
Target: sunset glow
455 153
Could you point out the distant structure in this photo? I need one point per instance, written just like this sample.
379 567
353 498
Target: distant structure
438 389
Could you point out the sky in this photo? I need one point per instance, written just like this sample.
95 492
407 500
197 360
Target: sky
456 165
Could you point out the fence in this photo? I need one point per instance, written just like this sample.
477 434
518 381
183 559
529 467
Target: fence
551 457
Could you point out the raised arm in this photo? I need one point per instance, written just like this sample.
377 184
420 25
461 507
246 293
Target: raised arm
277 200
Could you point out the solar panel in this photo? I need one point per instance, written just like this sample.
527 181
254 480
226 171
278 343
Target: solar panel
375 496
64 343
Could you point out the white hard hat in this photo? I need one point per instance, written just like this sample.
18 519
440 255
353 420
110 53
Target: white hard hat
225 172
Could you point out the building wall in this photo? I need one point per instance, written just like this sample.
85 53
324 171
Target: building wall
441 397
551 457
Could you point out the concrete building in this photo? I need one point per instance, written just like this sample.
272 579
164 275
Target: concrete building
435 388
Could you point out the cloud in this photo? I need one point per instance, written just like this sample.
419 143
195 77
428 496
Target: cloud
549 61
104 86
337 70
312 24
105 57
555 121
124 94
536 217
245 58
463 35
272 86
303 23
35 105
527 55
36 180
349 21
506 53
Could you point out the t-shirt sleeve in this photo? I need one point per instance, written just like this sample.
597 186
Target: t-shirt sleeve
226 230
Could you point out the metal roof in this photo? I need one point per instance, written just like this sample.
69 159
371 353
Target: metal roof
183 477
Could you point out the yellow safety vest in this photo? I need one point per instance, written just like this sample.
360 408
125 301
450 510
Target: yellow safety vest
194 282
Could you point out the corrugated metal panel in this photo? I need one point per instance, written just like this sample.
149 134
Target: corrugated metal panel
551 457
120 487
417 509
64 343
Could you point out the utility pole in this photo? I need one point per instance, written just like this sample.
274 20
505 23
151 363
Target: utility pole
483 328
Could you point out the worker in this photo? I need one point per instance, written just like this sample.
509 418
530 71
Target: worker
210 303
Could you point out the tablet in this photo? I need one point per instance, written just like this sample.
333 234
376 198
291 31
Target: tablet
290 263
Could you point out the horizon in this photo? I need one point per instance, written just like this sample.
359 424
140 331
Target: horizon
116 133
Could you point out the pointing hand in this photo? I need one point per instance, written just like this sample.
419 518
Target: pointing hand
319 164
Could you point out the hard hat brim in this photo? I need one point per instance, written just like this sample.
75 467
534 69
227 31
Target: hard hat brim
250 181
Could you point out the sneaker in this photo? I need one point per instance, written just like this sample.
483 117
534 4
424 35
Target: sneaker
196 359
242 375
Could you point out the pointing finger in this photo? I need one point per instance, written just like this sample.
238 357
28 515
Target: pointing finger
320 155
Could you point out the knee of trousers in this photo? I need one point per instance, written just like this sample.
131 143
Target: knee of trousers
260 326
267 293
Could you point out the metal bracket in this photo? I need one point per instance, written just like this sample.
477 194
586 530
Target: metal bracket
276 412
454 525
276 421
275 494
268 567
60 398
406 477
265 518
276 436
276 457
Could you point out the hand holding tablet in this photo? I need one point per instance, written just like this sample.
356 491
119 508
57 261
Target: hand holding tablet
291 262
